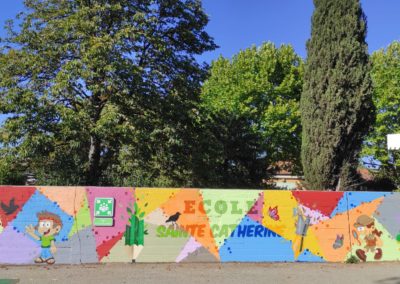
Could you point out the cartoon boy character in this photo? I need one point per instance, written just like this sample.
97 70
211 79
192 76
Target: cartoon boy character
365 227
49 225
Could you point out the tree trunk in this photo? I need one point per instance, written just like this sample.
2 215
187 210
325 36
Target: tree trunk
338 186
93 173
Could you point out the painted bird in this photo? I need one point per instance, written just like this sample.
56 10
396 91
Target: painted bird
10 208
173 218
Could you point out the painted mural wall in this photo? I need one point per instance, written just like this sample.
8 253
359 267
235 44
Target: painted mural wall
73 225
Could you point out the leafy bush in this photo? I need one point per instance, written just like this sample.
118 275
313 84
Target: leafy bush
352 259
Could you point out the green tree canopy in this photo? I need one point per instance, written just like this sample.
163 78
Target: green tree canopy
255 96
336 104
386 78
87 81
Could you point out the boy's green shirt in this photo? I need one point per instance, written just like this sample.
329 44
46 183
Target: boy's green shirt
46 241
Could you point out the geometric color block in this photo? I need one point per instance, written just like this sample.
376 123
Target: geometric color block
105 236
255 243
351 200
82 217
36 204
323 202
187 208
16 248
68 198
12 199
147 201
226 211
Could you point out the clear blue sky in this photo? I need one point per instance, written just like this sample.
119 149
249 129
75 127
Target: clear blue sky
238 24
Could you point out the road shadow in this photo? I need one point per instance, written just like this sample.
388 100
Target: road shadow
390 280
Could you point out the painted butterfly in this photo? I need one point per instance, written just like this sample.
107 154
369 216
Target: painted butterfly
273 213
338 242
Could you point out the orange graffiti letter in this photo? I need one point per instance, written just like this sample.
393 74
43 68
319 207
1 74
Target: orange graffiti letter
189 206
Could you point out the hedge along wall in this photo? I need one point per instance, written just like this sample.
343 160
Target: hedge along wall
91 225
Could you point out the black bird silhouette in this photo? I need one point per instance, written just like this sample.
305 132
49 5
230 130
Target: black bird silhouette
10 208
173 218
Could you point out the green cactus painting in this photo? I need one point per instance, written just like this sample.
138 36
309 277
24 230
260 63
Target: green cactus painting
135 230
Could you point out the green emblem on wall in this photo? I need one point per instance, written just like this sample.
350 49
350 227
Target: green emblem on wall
104 207
103 212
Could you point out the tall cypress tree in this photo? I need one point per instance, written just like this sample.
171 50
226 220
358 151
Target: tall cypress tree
336 104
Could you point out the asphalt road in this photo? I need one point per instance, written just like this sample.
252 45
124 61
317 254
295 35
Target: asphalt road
244 273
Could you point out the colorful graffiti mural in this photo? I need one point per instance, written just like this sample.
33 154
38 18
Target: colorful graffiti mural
75 225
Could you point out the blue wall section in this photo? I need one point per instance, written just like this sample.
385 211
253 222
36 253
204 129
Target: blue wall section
39 203
355 199
253 242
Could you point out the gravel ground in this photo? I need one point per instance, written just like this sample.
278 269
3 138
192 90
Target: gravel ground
248 273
